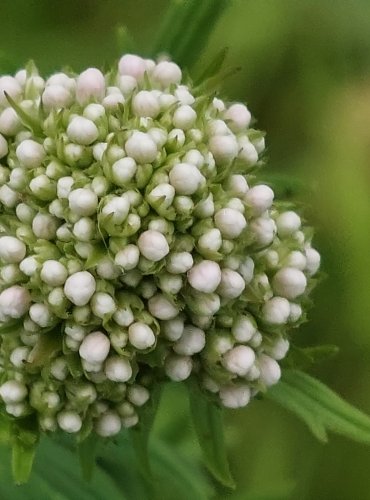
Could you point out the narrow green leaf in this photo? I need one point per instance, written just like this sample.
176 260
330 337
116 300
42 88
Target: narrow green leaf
303 358
22 460
319 407
87 451
208 424
140 434
214 66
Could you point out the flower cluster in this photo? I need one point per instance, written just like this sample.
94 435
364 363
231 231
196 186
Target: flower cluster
137 245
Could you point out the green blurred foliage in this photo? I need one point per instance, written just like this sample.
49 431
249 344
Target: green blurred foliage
305 73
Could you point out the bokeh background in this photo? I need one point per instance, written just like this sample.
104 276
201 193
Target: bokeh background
305 74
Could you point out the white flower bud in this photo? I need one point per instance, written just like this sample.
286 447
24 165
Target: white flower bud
184 117
128 422
235 396
24 213
239 360
238 117
173 328
127 84
59 369
13 391
102 304
14 301
62 79
80 287
141 336
41 315
10 123
279 348
69 421
30 153
162 308
53 273
269 369
170 283
90 86
117 208
106 269
10 274
276 311
82 131
185 178
95 348
259 199
94 111
177 136
179 262
289 282
128 257
247 152
230 222
56 297
295 312
192 341
16 410
244 327
11 249
210 241
109 424
153 245
145 103
313 261
123 170
237 185
64 187
178 368
3 147
295 259
8 197
167 73
56 97
288 223
137 395
44 226
132 65
19 355
141 147
18 179
118 369
83 201
11 86
231 285
263 230
163 193
224 148
205 276
183 95
84 229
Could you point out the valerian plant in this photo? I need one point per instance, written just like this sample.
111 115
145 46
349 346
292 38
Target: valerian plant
139 245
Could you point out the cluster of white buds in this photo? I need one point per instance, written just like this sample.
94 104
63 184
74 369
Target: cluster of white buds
136 245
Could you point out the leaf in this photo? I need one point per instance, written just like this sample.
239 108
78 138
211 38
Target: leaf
186 28
141 433
87 451
214 66
319 407
208 424
305 357
22 460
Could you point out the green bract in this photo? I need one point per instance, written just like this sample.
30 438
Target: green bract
136 245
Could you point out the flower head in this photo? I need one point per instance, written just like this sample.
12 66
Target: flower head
137 242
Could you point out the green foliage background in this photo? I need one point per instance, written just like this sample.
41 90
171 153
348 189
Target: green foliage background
305 74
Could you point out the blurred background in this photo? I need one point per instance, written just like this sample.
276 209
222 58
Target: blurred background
305 75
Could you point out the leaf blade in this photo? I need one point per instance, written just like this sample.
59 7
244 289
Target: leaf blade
208 424
320 407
